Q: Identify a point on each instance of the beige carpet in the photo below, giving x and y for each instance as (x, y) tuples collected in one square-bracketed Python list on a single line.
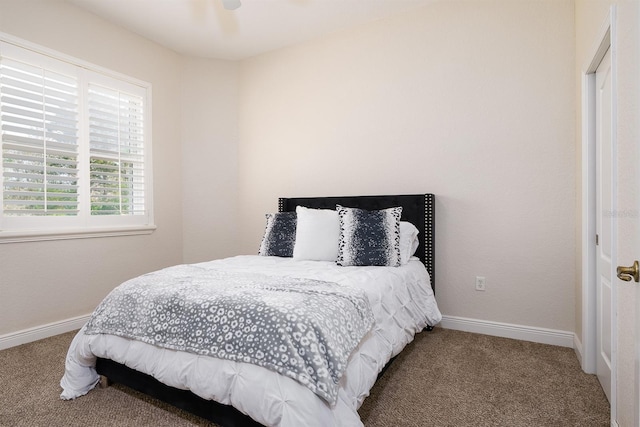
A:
[(444, 378)]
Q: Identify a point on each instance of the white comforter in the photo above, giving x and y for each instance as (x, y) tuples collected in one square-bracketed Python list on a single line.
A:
[(402, 303)]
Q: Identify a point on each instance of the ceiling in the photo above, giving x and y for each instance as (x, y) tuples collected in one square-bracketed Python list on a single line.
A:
[(204, 28)]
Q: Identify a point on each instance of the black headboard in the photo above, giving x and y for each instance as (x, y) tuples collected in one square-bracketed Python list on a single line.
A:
[(418, 209)]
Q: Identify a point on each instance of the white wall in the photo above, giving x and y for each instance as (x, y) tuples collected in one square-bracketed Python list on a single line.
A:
[(209, 158), (52, 281), (473, 101)]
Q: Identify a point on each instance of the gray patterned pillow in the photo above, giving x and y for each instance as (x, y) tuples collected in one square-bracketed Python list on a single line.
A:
[(279, 235), (369, 237)]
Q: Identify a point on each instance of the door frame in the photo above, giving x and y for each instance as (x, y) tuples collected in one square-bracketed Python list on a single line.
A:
[(637, 343), (606, 40)]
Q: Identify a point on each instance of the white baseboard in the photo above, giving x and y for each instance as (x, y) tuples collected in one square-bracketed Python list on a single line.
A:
[(43, 331), (507, 330)]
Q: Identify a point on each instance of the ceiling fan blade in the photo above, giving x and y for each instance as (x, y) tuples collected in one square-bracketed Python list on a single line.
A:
[(231, 4)]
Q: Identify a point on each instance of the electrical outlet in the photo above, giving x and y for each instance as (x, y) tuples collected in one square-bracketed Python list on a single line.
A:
[(480, 283)]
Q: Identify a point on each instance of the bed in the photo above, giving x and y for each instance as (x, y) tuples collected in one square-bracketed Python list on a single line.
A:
[(235, 393)]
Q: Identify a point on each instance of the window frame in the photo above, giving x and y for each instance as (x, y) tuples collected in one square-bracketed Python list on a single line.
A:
[(84, 225)]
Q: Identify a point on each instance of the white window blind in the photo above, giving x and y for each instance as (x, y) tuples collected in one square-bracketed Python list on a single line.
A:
[(39, 116), (75, 145), (116, 125)]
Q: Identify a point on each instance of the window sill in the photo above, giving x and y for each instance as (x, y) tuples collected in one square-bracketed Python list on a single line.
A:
[(73, 233)]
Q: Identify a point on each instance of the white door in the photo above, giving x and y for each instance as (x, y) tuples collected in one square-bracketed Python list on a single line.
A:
[(627, 340), (605, 216), (636, 392)]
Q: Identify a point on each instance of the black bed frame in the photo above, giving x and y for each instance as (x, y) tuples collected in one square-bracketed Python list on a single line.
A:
[(418, 209)]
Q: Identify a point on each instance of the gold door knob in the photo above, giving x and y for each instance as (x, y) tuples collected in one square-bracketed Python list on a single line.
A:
[(628, 273)]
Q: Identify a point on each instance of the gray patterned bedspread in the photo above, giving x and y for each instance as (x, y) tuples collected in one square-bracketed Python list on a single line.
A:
[(304, 329)]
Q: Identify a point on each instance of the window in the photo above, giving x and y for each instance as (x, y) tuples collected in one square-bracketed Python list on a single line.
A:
[(75, 148)]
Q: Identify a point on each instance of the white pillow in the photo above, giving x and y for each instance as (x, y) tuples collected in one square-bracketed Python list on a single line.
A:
[(408, 241), (317, 234)]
